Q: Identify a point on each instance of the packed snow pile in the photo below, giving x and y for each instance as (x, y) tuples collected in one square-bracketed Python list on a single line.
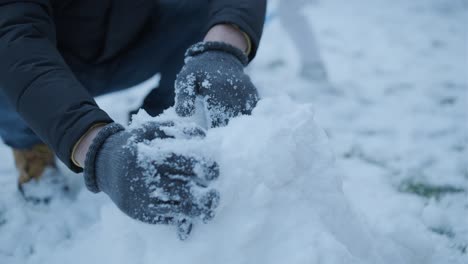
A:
[(372, 169), (281, 201)]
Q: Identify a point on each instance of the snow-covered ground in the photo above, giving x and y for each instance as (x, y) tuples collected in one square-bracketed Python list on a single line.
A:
[(374, 170)]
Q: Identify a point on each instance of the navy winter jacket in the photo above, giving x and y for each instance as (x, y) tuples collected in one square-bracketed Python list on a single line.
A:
[(40, 39)]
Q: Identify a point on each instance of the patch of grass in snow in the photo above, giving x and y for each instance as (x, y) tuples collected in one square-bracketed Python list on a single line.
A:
[(276, 64), (427, 190), (465, 173), (2, 219), (443, 231), (463, 248), (447, 232)]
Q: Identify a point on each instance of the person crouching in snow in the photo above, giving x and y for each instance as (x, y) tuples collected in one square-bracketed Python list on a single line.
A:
[(55, 56)]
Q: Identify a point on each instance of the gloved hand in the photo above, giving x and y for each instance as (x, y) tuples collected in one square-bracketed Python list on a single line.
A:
[(169, 188), (215, 71)]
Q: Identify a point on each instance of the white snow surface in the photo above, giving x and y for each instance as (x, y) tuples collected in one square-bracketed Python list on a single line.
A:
[(374, 170)]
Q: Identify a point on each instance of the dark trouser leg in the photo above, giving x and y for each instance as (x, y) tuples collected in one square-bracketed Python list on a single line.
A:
[(162, 97), (178, 25), (13, 130)]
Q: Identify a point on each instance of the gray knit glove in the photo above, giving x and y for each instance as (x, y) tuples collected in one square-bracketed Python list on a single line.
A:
[(215, 71), (167, 189)]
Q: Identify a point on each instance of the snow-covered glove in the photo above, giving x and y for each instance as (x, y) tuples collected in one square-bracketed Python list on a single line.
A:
[(168, 188), (215, 71)]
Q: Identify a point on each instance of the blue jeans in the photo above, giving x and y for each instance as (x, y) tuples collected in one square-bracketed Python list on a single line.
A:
[(178, 25)]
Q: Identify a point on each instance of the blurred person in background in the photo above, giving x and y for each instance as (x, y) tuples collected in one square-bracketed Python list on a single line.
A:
[(302, 34)]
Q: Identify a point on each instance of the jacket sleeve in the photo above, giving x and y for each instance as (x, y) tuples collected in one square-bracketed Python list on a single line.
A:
[(37, 81), (248, 15)]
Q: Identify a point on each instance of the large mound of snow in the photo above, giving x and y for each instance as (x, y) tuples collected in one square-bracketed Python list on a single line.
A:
[(282, 202), (279, 204)]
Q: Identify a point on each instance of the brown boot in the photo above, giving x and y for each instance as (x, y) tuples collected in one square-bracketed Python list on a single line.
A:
[(31, 163)]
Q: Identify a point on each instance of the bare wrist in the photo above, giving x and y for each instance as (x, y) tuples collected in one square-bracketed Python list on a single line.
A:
[(82, 146), (229, 34)]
